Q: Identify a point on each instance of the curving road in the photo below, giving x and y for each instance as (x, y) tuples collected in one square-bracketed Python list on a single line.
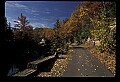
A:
[(83, 64)]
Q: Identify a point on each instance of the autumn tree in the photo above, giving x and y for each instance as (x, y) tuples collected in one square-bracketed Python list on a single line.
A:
[(60, 33), (80, 24), (65, 20), (102, 15), (57, 36), (108, 40), (22, 22), (24, 30), (25, 46), (37, 34), (96, 20), (58, 24)]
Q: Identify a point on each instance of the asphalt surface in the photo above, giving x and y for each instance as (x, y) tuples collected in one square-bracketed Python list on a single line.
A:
[(83, 64)]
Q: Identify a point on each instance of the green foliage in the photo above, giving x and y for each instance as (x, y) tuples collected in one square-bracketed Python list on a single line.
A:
[(91, 19), (62, 35), (102, 28), (58, 24), (50, 47), (94, 19), (110, 8), (37, 35)]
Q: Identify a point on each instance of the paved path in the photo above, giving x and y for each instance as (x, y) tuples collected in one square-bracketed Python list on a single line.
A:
[(83, 64)]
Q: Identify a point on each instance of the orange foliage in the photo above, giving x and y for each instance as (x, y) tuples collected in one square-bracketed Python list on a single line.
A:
[(46, 32)]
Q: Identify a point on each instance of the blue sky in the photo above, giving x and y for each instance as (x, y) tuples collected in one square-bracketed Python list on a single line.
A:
[(39, 13)]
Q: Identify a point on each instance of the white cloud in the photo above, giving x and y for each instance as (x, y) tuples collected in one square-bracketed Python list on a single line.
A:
[(14, 4), (53, 23), (7, 4), (20, 5), (17, 1), (11, 20), (48, 12), (42, 25), (17, 4), (37, 24), (28, 9), (36, 14), (34, 11), (44, 19)]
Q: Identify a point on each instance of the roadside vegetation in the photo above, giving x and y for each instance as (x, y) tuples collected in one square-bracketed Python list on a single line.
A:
[(92, 23)]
